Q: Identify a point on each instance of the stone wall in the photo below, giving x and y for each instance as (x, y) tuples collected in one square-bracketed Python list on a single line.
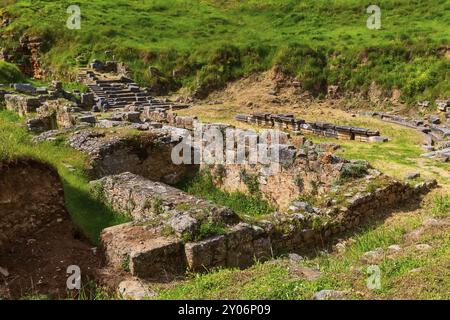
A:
[(147, 250), (22, 104), (302, 169), (31, 196), (147, 154), (307, 169), (163, 216)]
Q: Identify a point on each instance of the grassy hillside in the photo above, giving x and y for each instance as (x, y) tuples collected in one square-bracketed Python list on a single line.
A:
[(9, 73), (209, 42)]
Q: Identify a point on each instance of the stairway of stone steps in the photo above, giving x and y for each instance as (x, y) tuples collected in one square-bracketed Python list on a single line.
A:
[(119, 92)]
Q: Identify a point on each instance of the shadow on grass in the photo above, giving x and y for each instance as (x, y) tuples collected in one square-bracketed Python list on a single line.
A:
[(91, 215)]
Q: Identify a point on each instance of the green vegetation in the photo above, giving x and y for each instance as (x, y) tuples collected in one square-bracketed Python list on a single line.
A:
[(202, 186), (91, 215), (343, 271), (203, 44), (441, 205), (250, 181), (353, 171), (207, 229), (9, 73)]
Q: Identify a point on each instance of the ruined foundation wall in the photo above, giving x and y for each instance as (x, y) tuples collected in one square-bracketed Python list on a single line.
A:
[(304, 173), (147, 249), (148, 155), (31, 196)]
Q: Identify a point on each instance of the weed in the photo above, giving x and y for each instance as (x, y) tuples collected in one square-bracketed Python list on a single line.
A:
[(353, 171)]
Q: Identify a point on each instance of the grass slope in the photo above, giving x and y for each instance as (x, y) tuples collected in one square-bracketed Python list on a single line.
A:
[(9, 73), (210, 42)]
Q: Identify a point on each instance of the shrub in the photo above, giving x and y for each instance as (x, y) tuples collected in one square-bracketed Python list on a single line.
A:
[(353, 171)]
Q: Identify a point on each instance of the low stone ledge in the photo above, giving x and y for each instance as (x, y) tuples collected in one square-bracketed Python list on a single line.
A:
[(136, 249), (147, 254), (159, 258), (145, 200)]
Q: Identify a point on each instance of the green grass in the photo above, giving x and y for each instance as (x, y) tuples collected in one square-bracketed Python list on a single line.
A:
[(9, 73), (89, 214), (342, 271), (211, 42), (202, 186), (441, 205)]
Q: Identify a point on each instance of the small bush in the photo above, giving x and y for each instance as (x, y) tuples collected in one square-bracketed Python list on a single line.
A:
[(353, 171), (97, 190)]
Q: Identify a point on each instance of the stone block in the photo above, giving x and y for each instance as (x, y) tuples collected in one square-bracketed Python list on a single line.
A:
[(24, 88), (240, 249), (158, 258), (207, 254)]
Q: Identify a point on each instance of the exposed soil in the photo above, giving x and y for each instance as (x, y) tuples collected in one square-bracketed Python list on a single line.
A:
[(37, 264), (270, 91), (38, 239)]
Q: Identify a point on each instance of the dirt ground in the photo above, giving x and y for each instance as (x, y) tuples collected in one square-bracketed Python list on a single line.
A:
[(37, 265)]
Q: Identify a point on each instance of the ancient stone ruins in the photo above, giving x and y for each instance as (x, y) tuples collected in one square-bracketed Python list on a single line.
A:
[(129, 137), (436, 134), (289, 122)]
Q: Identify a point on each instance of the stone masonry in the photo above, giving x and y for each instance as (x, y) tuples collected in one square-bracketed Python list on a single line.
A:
[(164, 239), (147, 154), (289, 122)]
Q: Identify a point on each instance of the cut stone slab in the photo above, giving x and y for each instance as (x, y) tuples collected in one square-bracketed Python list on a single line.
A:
[(412, 175), (204, 254), (144, 199), (134, 248), (87, 119), (378, 139), (434, 119), (4, 272), (394, 248)]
